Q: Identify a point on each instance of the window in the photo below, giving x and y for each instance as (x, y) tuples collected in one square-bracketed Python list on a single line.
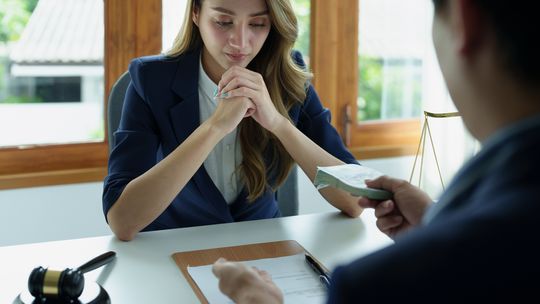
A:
[(52, 84), (328, 29), (68, 84), (57, 89), (375, 69), (349, 78), (173, 18), (302, 9), (393, 38)]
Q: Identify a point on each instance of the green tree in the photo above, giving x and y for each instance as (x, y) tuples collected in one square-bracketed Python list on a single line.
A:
[(402, 87), (302, 9), (369, 88), (14, 15)]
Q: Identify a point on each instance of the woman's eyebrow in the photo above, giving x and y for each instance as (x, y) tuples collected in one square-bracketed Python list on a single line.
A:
[(229, 12)]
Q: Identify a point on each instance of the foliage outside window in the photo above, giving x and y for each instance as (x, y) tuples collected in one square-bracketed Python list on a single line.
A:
[(14, 15), (302, 10), (392, 47), (382, 91)]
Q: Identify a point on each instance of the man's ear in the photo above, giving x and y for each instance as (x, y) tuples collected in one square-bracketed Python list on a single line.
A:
[(195, 15), (470, 24)]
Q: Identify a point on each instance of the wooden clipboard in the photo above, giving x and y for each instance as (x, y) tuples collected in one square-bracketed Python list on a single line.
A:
[(233, 253)]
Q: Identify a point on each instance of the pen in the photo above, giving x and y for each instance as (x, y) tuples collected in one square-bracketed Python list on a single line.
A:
[(323, 276)]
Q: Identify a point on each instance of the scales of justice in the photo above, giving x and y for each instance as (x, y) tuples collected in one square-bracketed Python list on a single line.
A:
[(426, 132)]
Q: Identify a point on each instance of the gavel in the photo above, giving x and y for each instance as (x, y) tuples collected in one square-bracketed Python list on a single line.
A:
[(66, 285)]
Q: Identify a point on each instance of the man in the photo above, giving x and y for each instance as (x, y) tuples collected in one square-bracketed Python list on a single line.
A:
[(479, 241)]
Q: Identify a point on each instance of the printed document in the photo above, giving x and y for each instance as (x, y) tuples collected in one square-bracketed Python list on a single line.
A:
[(292, 275)]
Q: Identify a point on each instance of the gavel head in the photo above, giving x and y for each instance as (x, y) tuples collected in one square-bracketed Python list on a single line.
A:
[(66, 285)]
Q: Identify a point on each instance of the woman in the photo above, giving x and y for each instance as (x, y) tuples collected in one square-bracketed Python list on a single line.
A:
[(210, 130)]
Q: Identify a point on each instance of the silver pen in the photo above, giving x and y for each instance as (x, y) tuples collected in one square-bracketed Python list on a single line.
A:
[(323, 276)]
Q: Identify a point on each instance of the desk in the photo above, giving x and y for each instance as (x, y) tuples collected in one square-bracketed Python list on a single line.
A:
[(144, 271)]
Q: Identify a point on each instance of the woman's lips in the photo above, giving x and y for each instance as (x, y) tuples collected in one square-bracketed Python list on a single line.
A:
[(236, 57)]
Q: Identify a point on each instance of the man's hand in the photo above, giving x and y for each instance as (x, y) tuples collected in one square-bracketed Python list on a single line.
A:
[(401, 213), (246, 284)]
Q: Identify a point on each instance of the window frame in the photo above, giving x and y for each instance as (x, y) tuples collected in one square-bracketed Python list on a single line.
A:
[(334, 62), (132, 29)]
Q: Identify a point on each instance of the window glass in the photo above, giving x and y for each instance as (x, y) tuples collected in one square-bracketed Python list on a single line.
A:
[(394, 38), (51, 72), (302, 9), (173, 17)]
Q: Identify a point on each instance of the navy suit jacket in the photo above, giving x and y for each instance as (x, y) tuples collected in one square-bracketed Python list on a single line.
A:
[(161, 110), (482, 246)]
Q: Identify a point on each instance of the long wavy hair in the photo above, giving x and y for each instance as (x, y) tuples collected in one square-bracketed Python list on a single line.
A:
[(286, 83)]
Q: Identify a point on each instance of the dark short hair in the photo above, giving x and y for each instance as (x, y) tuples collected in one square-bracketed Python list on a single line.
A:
[(516, 28)]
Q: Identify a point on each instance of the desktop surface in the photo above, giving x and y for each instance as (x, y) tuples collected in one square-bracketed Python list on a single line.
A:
[(145, 272)]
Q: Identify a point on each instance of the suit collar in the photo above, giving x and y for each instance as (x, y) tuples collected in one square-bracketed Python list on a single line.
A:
[(185, 82), (185, 114), (495, 153), (185, 118)]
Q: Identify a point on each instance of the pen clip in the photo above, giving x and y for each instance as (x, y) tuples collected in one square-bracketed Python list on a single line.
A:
[(324, 280)]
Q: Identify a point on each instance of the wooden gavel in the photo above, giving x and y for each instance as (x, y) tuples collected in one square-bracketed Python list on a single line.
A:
[(67, 284)]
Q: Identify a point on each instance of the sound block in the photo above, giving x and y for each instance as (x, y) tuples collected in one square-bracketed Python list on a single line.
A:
[(92, 293)]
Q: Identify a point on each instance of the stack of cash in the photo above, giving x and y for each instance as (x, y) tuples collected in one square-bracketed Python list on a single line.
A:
[(351, 179)]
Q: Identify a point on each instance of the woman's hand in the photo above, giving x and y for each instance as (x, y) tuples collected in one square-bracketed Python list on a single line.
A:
[(404, 211), (230, 112), (246, 284), (241, 82)]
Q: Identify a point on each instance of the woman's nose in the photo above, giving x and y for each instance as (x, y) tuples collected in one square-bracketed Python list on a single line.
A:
[(239, 37)]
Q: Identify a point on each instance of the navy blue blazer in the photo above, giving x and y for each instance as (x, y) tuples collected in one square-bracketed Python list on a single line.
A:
[(483, 246), (161, 110)]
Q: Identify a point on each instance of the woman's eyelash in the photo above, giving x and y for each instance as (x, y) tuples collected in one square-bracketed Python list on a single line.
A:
[(223, 23), (228, 23)]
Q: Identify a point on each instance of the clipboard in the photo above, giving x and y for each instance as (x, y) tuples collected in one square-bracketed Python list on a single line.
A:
[(234, 253)]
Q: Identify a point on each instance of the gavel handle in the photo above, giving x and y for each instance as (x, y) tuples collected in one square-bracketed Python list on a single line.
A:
[(97, 261)]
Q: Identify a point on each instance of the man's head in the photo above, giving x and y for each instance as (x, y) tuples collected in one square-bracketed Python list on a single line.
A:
[(516, 28), (489, 59)]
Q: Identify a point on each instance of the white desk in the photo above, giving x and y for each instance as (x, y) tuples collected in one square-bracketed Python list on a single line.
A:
[(144, 271)]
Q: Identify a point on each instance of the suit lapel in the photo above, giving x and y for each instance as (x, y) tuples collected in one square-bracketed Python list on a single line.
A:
[(185, 118), (185, 114)]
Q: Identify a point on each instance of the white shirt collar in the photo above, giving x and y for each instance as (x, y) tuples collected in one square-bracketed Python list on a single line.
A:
[(206, 84)]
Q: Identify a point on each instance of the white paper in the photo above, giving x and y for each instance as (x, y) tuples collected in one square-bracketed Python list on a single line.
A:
[(292, 275)]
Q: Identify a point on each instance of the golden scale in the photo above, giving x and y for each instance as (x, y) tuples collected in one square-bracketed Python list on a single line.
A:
[(426, 131)]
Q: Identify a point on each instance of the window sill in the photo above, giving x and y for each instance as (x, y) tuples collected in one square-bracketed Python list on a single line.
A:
[(48, 178), (384, 151)]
